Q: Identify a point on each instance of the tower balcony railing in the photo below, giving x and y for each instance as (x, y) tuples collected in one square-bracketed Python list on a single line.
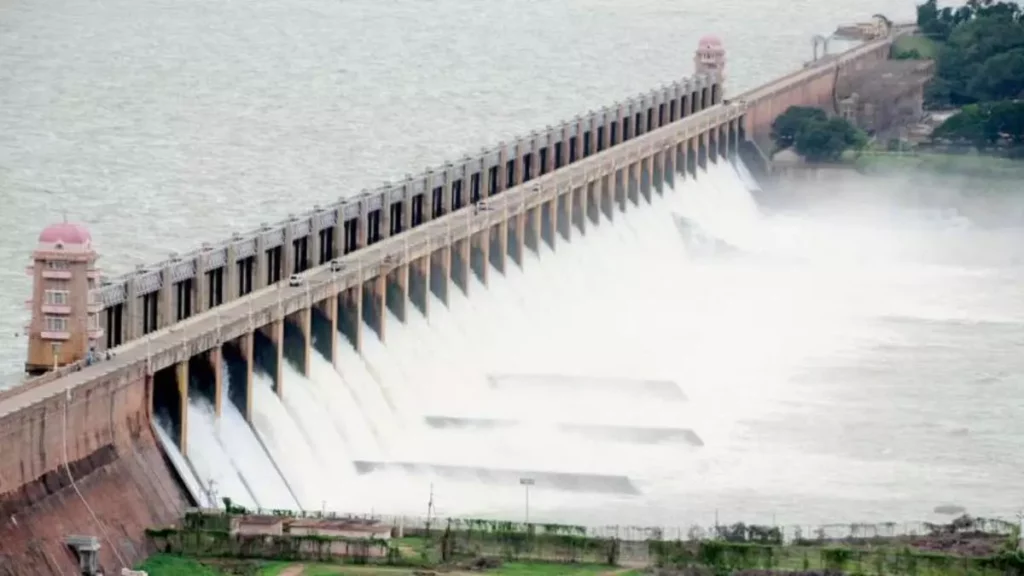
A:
[(57, 274)]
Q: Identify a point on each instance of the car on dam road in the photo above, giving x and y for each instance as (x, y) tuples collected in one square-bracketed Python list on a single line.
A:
[(295, 280)]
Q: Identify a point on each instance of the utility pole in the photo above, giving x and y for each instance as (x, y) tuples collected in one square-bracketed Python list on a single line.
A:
[(430, 508), (211, 493), (526, 483)]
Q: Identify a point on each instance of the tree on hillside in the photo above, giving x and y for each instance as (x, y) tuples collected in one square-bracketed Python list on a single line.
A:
[(938, 23), (978, 59), (1001, 76), (969, 125), (826, 140), (787, 125)]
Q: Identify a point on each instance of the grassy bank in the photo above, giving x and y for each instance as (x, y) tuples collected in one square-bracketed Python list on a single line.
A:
[(925, 47), (966, 546), (168, 565), (978, 165)]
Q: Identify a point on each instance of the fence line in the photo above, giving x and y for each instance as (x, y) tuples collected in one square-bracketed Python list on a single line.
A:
[(629, 533)]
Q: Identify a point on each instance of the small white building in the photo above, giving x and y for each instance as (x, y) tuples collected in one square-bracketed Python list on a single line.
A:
[(339, 529), (262, 525)]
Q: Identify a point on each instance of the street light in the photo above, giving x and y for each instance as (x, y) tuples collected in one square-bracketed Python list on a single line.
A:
[(526, 483)]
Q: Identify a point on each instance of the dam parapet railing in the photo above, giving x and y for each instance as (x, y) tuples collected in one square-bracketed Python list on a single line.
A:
[(446, 188), (822, 65)]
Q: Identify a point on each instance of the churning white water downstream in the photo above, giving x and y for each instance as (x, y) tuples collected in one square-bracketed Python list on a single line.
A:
[(664, 380)]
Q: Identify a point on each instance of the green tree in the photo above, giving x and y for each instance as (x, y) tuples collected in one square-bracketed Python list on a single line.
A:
[(1001, 76), (786, 127), (1008, 118), (968, 125), (985, 125), (981, 57), (826, 140)]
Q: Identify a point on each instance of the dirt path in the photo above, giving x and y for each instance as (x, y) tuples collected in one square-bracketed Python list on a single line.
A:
[(293, 571)]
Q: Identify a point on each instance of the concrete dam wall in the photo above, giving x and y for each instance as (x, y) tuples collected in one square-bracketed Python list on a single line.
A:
[(85, 462), (79, 454)]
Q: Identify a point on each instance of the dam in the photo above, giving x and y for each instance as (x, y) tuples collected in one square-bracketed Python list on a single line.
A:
[(344, 287)]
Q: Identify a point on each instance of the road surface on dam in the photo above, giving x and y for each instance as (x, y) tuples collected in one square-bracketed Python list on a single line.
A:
[(839, 363)]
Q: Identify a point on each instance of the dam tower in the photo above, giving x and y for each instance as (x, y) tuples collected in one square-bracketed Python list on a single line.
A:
[(709, 57), (64, 324)]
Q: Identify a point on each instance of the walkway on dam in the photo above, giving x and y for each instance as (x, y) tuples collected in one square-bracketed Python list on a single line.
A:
[(138, 351), (767, 90)]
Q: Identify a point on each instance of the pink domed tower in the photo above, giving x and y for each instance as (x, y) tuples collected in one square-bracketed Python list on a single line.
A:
[(65, 323), (710, 55)]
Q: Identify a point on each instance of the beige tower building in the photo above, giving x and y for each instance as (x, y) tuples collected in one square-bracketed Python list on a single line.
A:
[(710, 55), (65, 323)]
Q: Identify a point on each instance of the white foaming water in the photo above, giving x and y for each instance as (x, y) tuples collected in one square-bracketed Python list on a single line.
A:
[(185, 471), (583, 310), (625, 301), (285, 442), (349, 420), (325, 463), (214, 463), (227, 457)]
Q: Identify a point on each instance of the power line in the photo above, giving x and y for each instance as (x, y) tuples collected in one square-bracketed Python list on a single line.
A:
[(67, 468)]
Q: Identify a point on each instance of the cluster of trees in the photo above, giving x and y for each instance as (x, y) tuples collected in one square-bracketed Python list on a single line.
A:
[(986, 125), (981, 51), (980, 67), (814, 135)]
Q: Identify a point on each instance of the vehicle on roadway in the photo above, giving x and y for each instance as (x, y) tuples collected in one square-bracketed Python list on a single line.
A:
[(295, 280)]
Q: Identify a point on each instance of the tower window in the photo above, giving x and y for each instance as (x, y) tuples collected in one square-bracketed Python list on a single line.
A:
[(56, 324), (57, 297)]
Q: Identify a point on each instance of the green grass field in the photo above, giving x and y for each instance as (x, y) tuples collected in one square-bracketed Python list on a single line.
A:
[(957, 164), (167, 565), (505, 570), (925, 46), (965, 547)]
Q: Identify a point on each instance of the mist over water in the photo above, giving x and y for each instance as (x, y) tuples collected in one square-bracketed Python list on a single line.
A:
[(805, 363)]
